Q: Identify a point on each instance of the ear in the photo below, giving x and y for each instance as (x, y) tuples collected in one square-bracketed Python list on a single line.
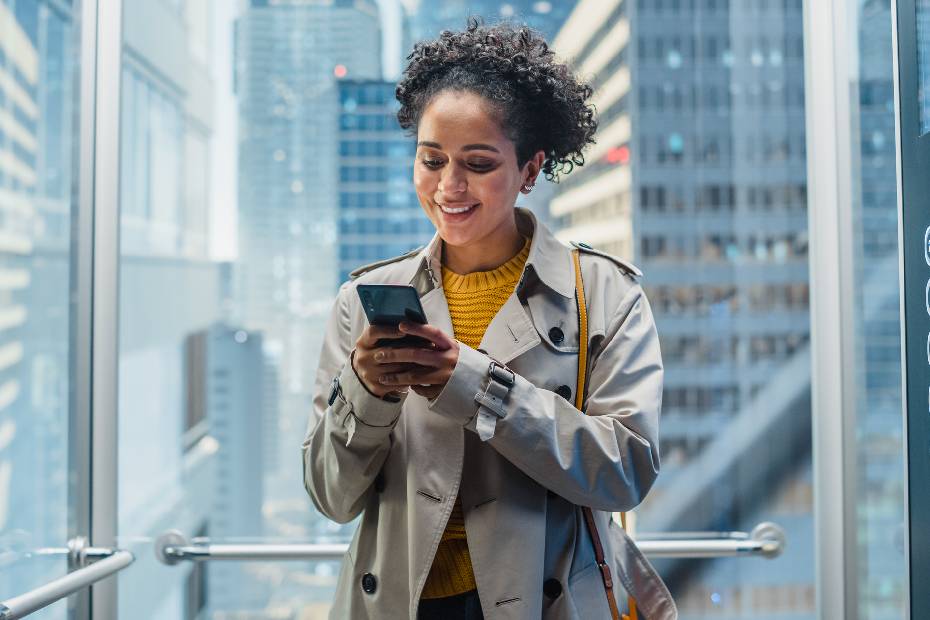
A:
[(532, 167)]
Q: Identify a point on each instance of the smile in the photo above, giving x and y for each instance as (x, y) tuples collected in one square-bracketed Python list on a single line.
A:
[(453, 210)]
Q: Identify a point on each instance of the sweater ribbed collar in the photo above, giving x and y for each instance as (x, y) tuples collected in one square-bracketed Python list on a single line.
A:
[(478, 281), (550, 259)]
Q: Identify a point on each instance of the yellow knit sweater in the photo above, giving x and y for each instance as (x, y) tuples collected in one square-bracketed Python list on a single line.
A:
[(474, 299)]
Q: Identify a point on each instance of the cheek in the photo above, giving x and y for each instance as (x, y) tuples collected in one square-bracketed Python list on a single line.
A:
[(425, 187), (424, 182), (494, 188)]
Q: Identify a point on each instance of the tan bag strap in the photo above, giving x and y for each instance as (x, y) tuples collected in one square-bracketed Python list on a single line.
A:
[(579, 401)]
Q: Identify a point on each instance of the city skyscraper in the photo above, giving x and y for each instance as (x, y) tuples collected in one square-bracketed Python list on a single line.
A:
[(699, 176), (429, 18), (379, 215), (289, 56), (235, 412)]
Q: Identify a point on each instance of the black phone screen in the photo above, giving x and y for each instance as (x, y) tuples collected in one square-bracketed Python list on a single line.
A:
[(389, 304)]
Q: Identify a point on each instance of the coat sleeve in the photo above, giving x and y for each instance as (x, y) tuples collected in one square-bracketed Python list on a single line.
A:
[(607, 459), (349, 438)]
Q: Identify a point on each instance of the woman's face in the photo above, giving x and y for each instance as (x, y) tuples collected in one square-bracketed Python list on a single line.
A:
[(464, 160)]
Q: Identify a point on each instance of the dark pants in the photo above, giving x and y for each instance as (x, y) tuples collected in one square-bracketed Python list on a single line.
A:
[(465, 606)]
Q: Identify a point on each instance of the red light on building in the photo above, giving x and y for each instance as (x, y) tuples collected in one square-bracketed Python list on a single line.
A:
[(340, 71), (618, 155)]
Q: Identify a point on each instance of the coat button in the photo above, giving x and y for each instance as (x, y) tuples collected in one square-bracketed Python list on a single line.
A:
[(556, 335), (379, 482), (552, 588), (565, 392), (369, 583)]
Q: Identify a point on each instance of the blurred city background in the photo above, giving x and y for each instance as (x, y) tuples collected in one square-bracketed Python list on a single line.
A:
[(261, 161)]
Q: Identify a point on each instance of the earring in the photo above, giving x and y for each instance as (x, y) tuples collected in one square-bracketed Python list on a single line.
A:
[(527, 187)]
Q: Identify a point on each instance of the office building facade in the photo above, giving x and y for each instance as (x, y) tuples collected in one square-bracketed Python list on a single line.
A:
[(379, 215), (699, 176), (289, 58)]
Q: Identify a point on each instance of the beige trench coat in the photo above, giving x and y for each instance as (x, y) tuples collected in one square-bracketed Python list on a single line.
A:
[(401, 465)]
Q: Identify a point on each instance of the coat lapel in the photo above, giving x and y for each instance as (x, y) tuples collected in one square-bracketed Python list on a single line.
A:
[(510, 333), (437, 310)]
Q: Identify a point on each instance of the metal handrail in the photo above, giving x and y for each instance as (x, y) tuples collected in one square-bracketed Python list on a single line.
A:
[(766, 540), (113, 561)]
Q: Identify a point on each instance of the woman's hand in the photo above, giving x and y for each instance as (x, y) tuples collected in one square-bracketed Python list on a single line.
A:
[(428, 368), (367, 368)]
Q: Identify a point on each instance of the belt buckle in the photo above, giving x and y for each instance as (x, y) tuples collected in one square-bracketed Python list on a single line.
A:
[(502, 374)]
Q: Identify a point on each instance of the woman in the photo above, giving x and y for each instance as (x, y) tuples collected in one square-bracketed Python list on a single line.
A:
[(470, 503)]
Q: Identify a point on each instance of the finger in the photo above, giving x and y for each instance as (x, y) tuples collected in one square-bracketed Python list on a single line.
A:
[(413, 378), (430, 332), (374, 333), (395, 367), (413, 355)]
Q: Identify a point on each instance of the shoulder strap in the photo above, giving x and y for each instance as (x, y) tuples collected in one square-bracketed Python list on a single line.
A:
[(579, 401), (626, 266), (365, 268), (582, 332)]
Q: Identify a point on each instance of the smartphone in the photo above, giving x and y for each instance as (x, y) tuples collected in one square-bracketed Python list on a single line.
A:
[(389, 304)]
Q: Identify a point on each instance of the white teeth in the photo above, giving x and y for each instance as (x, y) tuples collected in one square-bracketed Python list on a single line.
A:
[(462, 210)]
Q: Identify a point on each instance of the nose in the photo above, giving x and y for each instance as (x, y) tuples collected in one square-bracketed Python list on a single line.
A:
[(452, 180)]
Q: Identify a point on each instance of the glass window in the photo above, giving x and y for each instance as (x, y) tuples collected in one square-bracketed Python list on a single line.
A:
[(726, 273), (879, 475), (39, 46), (237, 227)]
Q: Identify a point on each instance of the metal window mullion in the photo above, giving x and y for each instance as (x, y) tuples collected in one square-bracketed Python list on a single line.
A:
[(105, 314), (829, 27), (81, 328)]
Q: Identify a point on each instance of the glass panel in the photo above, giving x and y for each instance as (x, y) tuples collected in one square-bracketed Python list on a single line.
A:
[(261, 162), (882, 586), (38, 78), (182, 372), (246, 201), (230, 207), (923, 62), (712, 135)]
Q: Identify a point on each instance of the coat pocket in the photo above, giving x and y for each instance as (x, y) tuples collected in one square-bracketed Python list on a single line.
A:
[(588, 595)]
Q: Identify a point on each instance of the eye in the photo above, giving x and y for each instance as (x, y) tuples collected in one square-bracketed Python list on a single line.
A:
[(432, 164)]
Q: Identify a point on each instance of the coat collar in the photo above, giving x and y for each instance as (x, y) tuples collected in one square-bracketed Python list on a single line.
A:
[(549, 259)]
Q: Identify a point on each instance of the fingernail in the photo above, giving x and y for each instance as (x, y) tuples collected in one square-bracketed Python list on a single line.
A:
[(402, 327)]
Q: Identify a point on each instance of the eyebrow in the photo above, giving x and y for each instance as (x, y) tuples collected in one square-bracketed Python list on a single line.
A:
[(467, 147)]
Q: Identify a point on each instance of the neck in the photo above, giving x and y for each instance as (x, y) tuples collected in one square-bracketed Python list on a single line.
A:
[(484, 255)]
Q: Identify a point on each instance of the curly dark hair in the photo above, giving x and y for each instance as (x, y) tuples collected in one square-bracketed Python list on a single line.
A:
[(540, 104)]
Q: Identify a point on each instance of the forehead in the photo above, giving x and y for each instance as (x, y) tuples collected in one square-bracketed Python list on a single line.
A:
[(455, 118)]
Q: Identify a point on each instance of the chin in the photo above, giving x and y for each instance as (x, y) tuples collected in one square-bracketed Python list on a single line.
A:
[(458, 237)]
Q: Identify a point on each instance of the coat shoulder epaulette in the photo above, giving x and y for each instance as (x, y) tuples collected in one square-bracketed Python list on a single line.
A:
[(627, 267), (387, 261)]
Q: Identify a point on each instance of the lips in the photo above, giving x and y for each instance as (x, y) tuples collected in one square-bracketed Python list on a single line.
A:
[(456, 208)]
